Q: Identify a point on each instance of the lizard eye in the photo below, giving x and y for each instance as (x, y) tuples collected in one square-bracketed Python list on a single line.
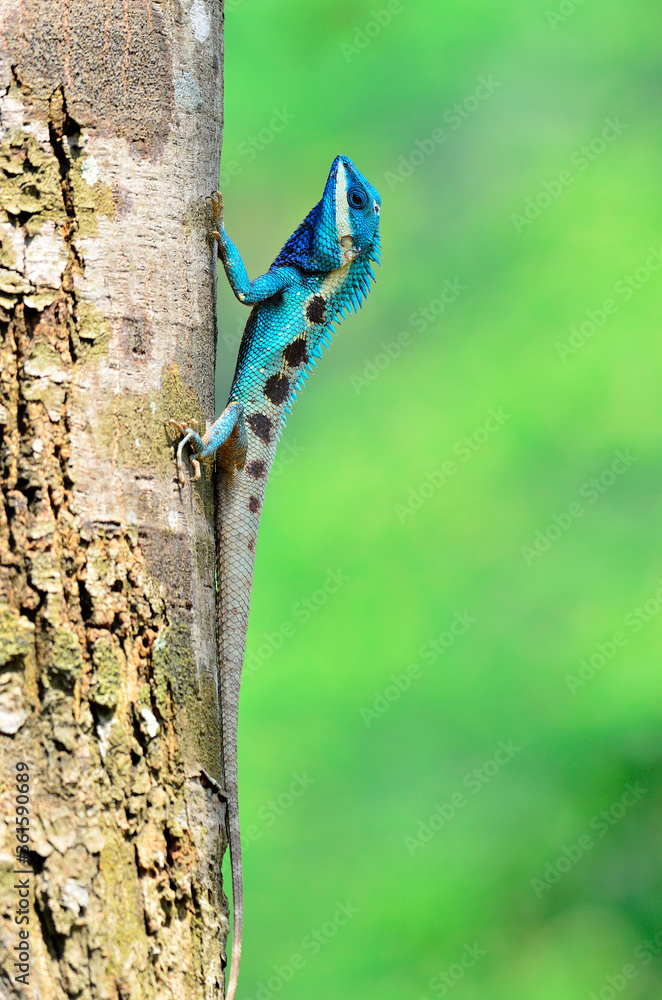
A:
[(356, 198)]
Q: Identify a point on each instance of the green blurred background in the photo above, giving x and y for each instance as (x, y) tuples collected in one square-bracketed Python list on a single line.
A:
[(436, 489)]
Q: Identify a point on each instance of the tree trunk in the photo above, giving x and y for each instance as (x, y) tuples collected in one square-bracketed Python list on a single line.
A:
[(109, 143)]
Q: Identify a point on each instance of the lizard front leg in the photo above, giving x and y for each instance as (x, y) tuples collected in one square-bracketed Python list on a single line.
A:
[(248, 292)]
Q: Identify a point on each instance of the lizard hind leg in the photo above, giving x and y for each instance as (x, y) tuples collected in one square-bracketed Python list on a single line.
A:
[(229, 434)]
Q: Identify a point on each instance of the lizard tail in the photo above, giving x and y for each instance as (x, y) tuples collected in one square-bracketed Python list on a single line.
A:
[(237, 900)]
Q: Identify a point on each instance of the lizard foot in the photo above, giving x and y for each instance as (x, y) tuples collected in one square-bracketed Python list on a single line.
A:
[(190, 433), (216, 200)]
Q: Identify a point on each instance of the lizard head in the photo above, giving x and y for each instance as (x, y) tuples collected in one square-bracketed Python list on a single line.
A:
[(356, 205), (343, 226)]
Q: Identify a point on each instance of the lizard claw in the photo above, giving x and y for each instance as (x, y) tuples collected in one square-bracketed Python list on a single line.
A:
[(188, 430), (216, 200), (191, 425)]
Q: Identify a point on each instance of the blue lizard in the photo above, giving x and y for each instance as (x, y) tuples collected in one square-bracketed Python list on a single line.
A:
[(322, 271)]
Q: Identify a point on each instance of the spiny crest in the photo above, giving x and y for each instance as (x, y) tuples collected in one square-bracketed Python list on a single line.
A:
[(349, 295), (343, 226)]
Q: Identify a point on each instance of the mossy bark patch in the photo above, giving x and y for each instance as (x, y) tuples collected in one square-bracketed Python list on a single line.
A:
[(64, 659), (16, 640), (106, 677)]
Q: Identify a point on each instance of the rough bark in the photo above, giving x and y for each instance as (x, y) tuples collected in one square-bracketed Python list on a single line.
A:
[(110, 115)]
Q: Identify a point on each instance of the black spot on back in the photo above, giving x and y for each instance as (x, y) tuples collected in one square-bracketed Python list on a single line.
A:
[(256, 469), (253, 504), (296, 353), (315, 309), (260, 424), (277, 389)]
